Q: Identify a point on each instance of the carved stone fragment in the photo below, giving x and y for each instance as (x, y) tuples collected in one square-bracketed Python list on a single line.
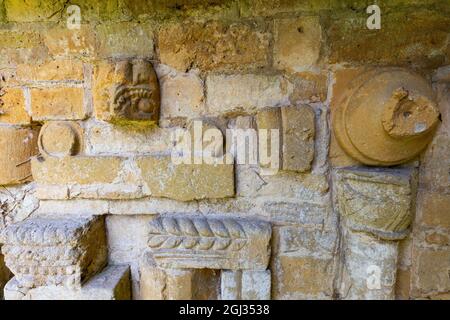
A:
[(215, 243), (387, 117), (17, 145), (137, 97), (113, 283), (49, 251), (60, 138), (375, 201)]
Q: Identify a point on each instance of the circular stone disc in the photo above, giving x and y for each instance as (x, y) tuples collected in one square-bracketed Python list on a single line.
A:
[(358, 121)]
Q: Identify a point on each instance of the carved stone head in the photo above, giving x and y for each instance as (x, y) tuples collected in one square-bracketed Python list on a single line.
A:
[(137, 96)]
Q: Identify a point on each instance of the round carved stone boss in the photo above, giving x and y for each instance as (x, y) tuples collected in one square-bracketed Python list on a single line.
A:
[(386, 117), (60, 138)]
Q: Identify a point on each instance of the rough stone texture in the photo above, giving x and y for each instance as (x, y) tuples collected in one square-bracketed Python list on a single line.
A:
[(5, 275), (245, 285), (49, 251), (113, 283), (177, 284), (210, 243), (214, 46), (78, 169), (377, 202), (61, 69), (57, 104), (12, 107), (17, 145), (186, 181), (61, 138), (65, 42), (246, 93), (297, 43), (298, 137)]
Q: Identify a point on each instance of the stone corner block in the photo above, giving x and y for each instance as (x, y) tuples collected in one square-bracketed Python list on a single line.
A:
[(51, 251)]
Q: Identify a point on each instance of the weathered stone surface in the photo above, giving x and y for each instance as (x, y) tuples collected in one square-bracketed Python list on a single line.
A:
[(269, 120), (34, 10), (182, 95), (214, 45), (432, 209), (219, 243), (124, 39), (17, 145), (55, 70), (370, 268), (309, 87), (186, 181), (126, 92), (375, 201), (430, 272), (60, 138), (392, 44), (57, 104), (297, 43), (5, 275), (245, 285), (12, 107), (113, 283), (78, 169), (177, 284), (50, 251), (298, 137), (387, 117), (246, 93), (62, 41), (301, 278)]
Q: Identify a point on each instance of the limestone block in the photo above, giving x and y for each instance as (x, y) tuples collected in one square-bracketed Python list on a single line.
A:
[(62, 41), (219, 243), (298, 137), (126, 91), (246, 93), (370, 268), (245, 285), (182, 95), (17, 145), (12, 107), (55, 70), (375, 201), (60, 138), (50, 251), (186, 181), (309, 87), (297, 43), (177, 284), (432, 209), (57, 104), (75, 170), (430, 273), (113, 283), (214, 45), (118, 39), (269, 119), (297, 277), (386, 117)]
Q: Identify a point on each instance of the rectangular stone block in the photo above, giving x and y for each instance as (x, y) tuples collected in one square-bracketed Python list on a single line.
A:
[(432, 209), (51, 251), (297, 43), (298, 137), (245, 285), (246, 93), (57, 104), (113, 283), (12, 109), (430, 273), (75, 170), (32, 10), (186, 182), (214, 45), (64, 42), (177, 284), (17, 146), (269, 119), (56, 70), (219, 243)]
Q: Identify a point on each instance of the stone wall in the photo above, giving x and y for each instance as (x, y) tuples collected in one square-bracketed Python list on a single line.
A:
[(87, 119)]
